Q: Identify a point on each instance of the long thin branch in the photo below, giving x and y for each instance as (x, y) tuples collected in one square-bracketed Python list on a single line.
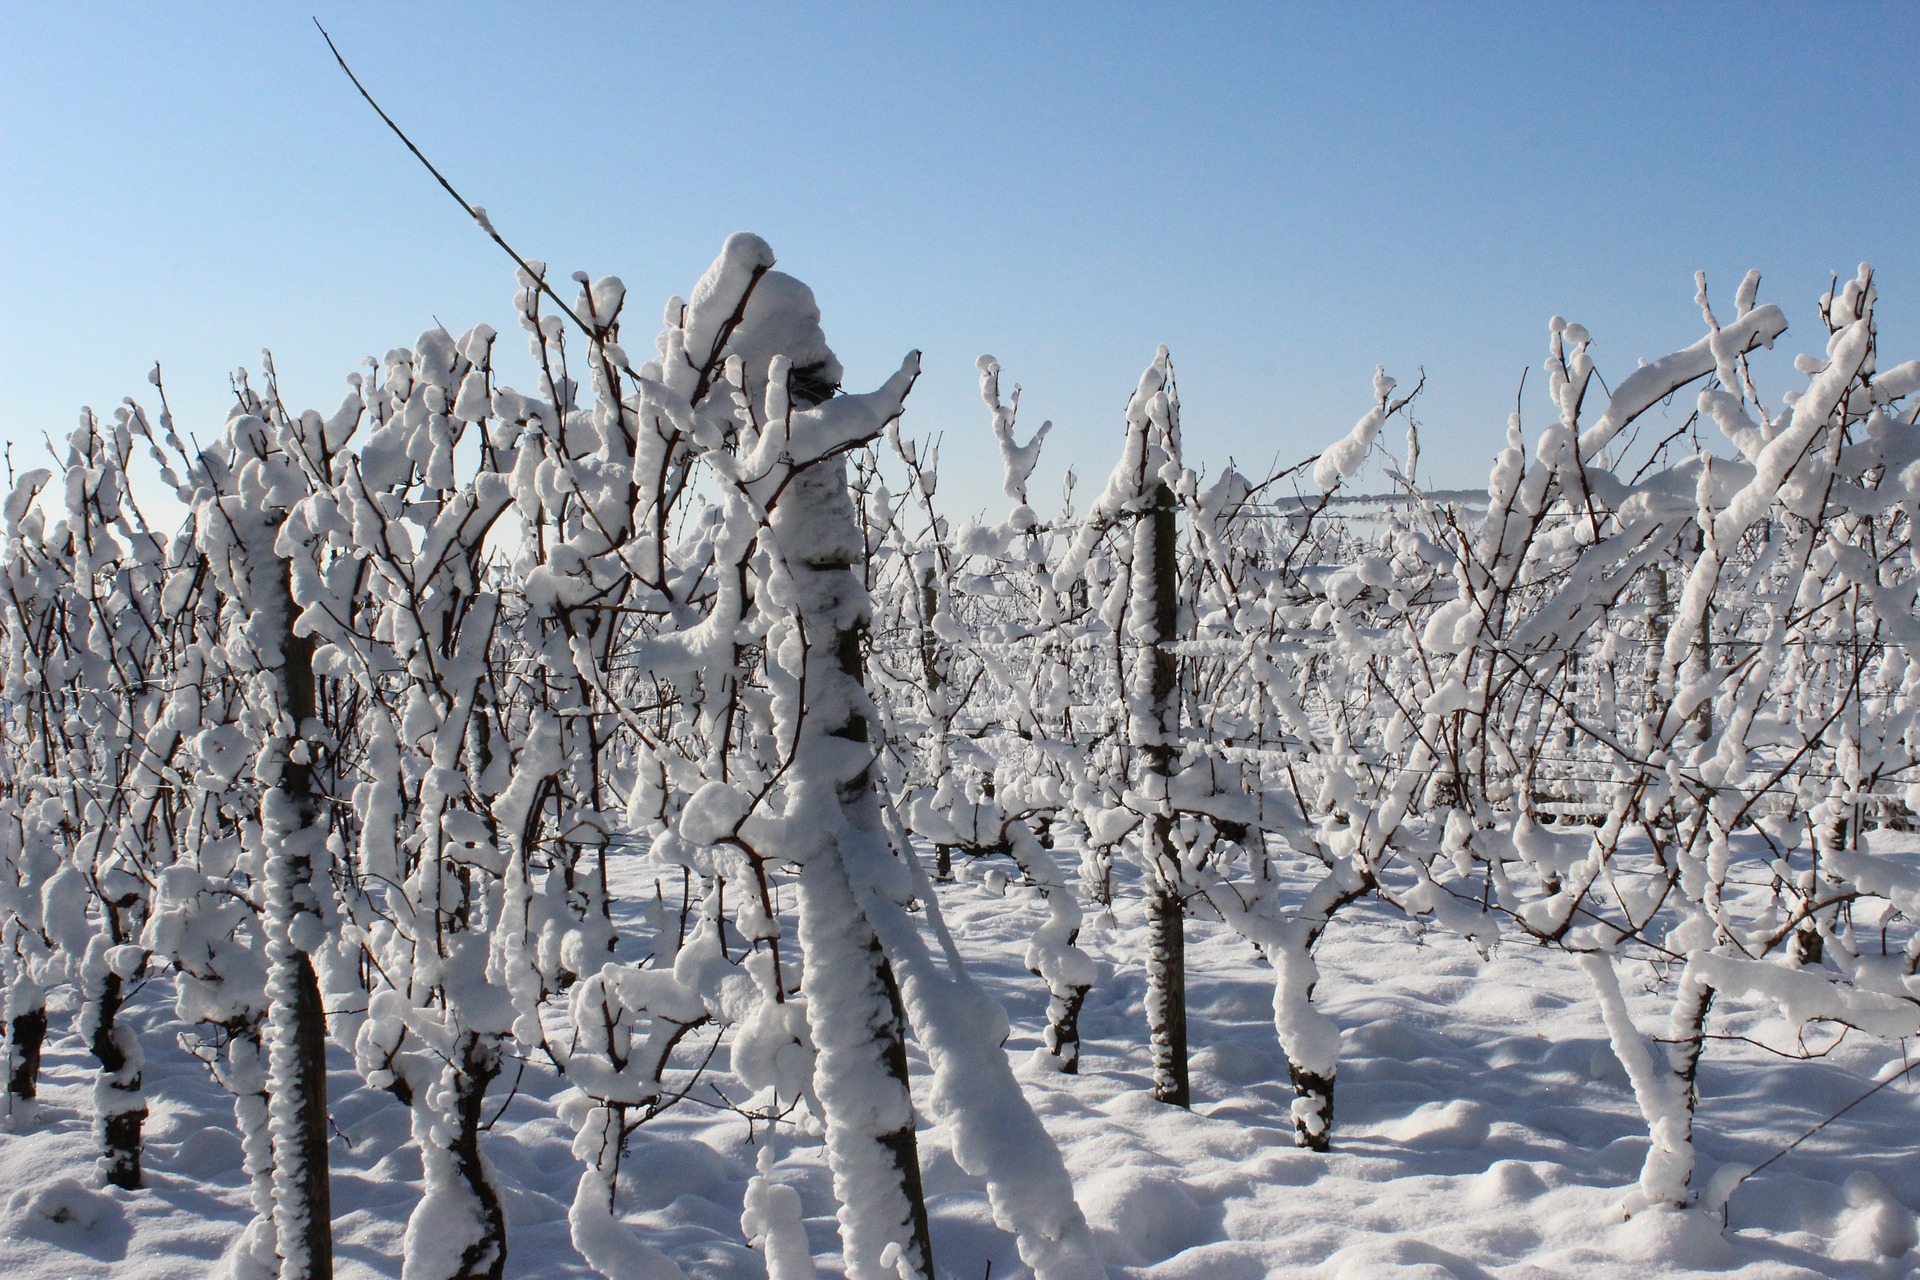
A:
[(478, 214)]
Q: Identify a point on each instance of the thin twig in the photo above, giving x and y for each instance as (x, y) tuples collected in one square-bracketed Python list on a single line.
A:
[(475, 212)]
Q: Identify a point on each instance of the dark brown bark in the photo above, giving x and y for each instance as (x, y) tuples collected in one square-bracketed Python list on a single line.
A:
[(1167, 958), (902, 1142), (26, 1036), (312, 1089), (119, 1130), (298, 691), (1063, 1025), (1167, 997), (1317, 1089), (486, 1258)]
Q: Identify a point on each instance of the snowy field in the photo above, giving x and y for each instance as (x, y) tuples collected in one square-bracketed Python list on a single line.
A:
[(1483, 1128), (1397, 754)]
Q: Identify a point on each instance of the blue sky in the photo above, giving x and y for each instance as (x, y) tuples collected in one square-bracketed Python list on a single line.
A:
[(1285, 195)]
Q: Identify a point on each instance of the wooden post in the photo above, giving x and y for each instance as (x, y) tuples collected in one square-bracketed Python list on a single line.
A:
[(1167, 945), (296, 1018)]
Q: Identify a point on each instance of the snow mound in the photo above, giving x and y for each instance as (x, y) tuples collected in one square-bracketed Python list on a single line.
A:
[(1400, 1258), (1874, 1224), (66, 1202), (1143, 1216), (1672, 1238), (1506, 1183), (1239, 1062), (1460, 1123), (670, 1170)]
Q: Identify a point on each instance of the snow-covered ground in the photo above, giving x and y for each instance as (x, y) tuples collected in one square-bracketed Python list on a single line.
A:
[(1483, 1128)]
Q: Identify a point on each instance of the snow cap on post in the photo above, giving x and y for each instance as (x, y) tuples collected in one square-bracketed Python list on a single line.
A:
[(719, 299), (782, 318)]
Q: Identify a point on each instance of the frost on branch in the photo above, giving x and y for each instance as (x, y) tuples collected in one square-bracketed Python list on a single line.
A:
[(368, 753)]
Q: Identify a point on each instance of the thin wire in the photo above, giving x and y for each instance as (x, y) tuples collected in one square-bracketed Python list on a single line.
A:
[(1901, 1074)]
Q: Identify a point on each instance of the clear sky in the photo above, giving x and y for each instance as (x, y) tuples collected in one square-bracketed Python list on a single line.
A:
[(1285, 195)]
